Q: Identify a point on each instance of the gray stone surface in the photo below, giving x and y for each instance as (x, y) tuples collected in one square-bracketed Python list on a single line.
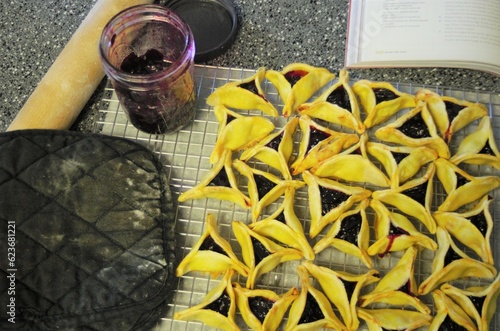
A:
[(271, 34)]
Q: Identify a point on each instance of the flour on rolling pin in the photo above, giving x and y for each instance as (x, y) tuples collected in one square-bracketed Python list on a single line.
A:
[(73, 77)]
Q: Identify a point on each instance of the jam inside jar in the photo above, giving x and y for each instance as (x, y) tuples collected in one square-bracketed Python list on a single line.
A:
[(147, 52)]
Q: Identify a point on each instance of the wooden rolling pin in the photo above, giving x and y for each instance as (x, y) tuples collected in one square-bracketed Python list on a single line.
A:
[(64, 90)]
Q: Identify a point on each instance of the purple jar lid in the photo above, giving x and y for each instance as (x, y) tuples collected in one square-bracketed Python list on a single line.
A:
[(214, 24)]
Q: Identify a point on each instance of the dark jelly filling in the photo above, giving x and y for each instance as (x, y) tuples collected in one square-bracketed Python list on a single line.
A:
[(221, 304), (294, 76), (478, 303), (150, 62), (452, 109), (349, 287), (449, 325), (349, 229), (461, 180), (275, 143), (259, 251), (417, 193), (221, 179), (264, 185), (487, 149), (331, 199), (415, 127), (340, 97), (315, 137), (451, 256), (399, 156), (312, 312), (281, 218), (406, 288), (250, 86), (260, 306), (210, 245), (480, 223), (383, 94)]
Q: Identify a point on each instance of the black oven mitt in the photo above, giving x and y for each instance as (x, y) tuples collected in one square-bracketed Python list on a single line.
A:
[(87, 233)]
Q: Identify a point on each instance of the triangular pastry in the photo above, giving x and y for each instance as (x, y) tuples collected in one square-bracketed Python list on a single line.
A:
[(479, 302), (297, 83), (449, 315), (395, 232), (241, 133), (276, 149), (219, 183), (450, 114), (380, 100), (318, 143), (342, 289), (337, 104), (462, 188), (261, 255), (264, 188), (473, 228), (413, 198), (401, 163), (217, 309), (261, 309), (211, 253), (246, 94), (398, 288), (328, 199), (311, 310), (479, 147), (349, 234), (451, 263), (285, 227), (415, 128), (393, 319)]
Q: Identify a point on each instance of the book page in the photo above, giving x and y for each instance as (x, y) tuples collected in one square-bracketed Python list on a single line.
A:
[(414, 30)]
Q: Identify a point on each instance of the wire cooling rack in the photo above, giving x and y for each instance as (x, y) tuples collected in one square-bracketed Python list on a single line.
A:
[(185, 155)]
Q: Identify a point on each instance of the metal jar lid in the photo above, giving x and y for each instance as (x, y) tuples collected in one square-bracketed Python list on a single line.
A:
[(214, 24)]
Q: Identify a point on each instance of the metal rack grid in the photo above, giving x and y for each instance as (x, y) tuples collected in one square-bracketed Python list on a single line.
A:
[(185, 155)]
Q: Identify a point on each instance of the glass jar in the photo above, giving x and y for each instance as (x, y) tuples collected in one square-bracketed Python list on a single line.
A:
[(147, 52)]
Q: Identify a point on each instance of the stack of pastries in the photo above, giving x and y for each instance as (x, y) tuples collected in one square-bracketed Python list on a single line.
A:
[(385, 172)]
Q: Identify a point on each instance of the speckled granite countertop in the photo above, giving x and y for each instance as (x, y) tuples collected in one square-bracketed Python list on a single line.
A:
[(272, 34)]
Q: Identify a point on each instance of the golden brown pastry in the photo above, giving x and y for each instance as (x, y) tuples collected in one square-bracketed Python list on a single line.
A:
[(479, 147), (479, 302), (462, 188), (337, 104), (241, 133), (449, 315), (414, 128), (401, 163), (261, 254), (413, 198), (263, 310), (211, 253), (217, 309), (473, 228), (398, 288), (395, 232), (393, 319), (318, 143), (297, 83), (285, 227), (380, 100), (352, 165), (219, 183), (246, 94), (342, 289), (451, 263), (311, 310), (328, 199), (350, 234), (450, 114), (264, 188), (276, 149)]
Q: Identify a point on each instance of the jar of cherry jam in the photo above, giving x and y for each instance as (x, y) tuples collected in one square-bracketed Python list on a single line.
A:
[(147, 52)]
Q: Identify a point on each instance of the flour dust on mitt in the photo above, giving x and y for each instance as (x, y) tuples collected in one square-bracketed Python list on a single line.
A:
[(93, 220)]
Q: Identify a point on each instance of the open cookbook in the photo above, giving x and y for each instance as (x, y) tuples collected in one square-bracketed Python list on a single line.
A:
[(427, 33)]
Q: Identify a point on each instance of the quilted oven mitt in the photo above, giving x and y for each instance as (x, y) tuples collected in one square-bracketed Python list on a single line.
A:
[(94, 233)]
